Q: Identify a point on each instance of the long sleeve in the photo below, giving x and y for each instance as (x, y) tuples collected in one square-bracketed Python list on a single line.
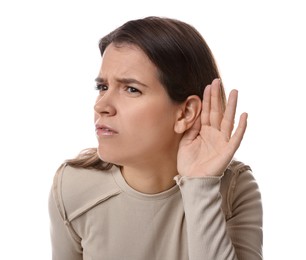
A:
[(64, 247), (66, 244), (211, 234)]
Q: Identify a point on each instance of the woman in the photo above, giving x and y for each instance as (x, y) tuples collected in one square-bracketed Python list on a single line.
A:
[(162, 182)]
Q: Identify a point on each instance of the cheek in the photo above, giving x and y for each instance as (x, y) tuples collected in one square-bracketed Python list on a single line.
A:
[(152, 123), (153, 115)]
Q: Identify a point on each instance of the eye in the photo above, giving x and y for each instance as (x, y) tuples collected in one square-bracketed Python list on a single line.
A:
[(101, 87), (132, 90)]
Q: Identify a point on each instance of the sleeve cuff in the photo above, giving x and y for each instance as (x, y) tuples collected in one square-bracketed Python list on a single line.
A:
[(180, 180)]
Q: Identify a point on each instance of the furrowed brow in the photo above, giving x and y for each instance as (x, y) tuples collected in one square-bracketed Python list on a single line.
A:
[(100, 80), (131, 81), (122, 81)]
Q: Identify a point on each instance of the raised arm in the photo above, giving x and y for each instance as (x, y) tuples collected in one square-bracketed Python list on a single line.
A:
[(208, 147), (205, 152)]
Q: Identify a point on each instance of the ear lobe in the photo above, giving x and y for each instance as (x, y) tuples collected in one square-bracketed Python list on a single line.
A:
[(180, 126), (188, 114)]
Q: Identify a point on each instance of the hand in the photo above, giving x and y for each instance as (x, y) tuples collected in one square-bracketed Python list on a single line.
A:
[(208, 146)]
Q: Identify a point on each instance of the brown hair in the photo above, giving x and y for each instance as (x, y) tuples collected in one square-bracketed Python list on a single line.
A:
[(184, 61)]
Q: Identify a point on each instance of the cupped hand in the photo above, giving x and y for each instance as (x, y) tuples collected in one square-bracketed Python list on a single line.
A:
[(209, 145)]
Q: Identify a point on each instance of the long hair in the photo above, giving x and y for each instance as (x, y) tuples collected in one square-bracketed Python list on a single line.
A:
[(183, 59)]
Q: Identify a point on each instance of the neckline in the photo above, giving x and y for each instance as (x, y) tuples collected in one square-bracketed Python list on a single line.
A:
[(124, 186)]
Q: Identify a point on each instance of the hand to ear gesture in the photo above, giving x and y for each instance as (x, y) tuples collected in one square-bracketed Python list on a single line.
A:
[(209, 145)]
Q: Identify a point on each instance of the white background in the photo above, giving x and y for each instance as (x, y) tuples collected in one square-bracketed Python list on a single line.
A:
[(48, 62)]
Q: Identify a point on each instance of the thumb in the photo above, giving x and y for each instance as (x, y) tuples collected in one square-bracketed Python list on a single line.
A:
[(192, 132)]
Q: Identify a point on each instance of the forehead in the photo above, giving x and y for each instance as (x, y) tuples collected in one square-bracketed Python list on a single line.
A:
[(127, 55), (128, 61)]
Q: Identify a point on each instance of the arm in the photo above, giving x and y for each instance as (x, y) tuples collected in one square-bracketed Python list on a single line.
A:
[(64, 246), (206, 226), (244, 218), (205, 151), (210, 234)]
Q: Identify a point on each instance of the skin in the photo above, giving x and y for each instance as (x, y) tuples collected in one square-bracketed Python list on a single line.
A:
[(153, 138), (209, 145)]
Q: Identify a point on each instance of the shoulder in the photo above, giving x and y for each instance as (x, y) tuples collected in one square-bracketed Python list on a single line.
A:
[(238, 185), (233, 172), (76, 190)]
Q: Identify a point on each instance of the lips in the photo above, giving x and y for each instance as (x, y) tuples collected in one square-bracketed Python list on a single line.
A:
[(104, 130)]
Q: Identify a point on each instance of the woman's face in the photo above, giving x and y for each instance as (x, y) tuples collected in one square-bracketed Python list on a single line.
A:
[(134, 115)]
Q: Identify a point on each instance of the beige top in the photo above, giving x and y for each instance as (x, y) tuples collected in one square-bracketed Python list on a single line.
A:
[(96, 215)]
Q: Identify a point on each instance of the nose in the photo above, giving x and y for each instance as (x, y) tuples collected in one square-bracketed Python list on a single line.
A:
[(104, 105)]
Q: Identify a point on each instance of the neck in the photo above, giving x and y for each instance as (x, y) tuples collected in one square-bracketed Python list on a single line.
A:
[(150, 181)]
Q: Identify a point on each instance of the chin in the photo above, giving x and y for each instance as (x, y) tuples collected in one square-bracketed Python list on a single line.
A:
[(106, 157)]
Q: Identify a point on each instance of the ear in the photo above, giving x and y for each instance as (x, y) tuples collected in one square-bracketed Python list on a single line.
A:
[(187, 114)]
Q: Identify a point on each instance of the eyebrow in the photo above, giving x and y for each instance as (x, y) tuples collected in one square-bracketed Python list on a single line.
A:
[(122, 80)]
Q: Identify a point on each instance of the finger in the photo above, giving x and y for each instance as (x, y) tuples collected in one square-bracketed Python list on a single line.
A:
[(239, 132), (205, 115), (193, 132), (228, 120), (216, 112)]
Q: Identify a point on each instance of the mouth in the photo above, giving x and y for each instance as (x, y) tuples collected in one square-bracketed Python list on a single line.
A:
[(102, 130)]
